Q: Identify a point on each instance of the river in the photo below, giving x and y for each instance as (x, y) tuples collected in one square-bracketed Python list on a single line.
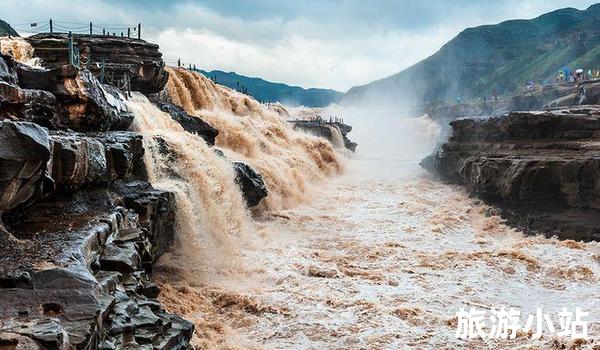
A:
[(379, 257)]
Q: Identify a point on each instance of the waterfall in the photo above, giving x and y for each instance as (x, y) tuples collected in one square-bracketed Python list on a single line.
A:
[(336, 136), (211, 211), (212, 215), (288, 160), (20, 50)]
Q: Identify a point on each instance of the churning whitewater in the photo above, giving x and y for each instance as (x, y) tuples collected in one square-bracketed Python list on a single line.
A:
[(361, 251)]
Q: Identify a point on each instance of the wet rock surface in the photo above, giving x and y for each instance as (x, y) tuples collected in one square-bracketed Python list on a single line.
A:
[(24, 152), (251, 183), (80, 226), (83, 103), (323, 129), (540, 167), (140, 60), (76, 272), (191, 124), (64, 97), (82, 282)]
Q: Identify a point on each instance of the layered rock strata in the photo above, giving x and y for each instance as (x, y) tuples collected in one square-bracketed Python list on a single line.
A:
[(141, 61), (540, 167), (80, 225)]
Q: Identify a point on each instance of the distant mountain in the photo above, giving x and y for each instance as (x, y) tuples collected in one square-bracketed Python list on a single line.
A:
[(501, 57), (6, 29), (267, 91)]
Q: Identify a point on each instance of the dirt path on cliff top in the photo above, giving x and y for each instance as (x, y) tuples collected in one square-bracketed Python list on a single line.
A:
[(378, 261)]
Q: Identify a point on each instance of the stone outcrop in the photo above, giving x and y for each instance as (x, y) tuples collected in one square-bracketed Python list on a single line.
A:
[(191, 124), (36, 163), (61, 98), (83, 103), (95, 159), (85, 230), (251, 183), (79, 278), (80, 225), (138, 59), (540, 167), (323, 129), (24, 152)]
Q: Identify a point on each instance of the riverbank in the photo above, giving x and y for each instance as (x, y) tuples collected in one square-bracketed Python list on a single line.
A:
[(538, 167)]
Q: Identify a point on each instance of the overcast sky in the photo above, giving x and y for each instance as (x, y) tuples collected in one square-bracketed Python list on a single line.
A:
[(312, 43)]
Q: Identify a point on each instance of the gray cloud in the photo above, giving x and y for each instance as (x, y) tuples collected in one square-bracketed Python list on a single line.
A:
[(312, 43)]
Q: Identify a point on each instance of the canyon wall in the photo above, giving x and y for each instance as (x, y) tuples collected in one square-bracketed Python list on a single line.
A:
[(540, 167), (80, 225)]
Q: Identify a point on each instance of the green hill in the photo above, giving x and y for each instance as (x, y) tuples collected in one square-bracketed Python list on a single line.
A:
[(267, 91), (6, 29), (499, 57)]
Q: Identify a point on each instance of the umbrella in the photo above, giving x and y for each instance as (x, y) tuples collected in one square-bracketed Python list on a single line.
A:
[(579, 71)]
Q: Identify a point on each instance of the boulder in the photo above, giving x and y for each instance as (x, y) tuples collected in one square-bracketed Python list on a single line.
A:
[(191, 124), (7, 72), (96, 158), (156, 210), (33, 105), (251, 183)]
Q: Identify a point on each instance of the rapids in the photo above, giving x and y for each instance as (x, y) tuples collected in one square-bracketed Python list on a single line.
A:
[(288, 160), (380, 256)]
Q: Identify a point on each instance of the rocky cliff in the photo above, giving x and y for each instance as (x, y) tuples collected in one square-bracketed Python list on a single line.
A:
[(539, 167), (140, 60), (80, 224)]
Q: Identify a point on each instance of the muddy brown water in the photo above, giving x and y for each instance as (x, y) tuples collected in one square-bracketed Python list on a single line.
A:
[(382, 262)]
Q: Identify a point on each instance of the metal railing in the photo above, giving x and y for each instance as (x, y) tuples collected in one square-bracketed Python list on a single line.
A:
[(55, 27), (122, 83)]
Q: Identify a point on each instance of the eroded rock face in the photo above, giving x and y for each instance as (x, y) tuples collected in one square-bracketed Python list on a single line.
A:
[(61, 98), (93, 159), (191, 124), (80, 226), (81, 280), (23, 104), (24, 153), (139, 59), (251, 183), (77, 274), (83, 104), (323, 129), (543, 166)]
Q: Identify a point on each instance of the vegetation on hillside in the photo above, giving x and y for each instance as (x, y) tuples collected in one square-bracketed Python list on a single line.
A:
[(266, 91), (501, 58)]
